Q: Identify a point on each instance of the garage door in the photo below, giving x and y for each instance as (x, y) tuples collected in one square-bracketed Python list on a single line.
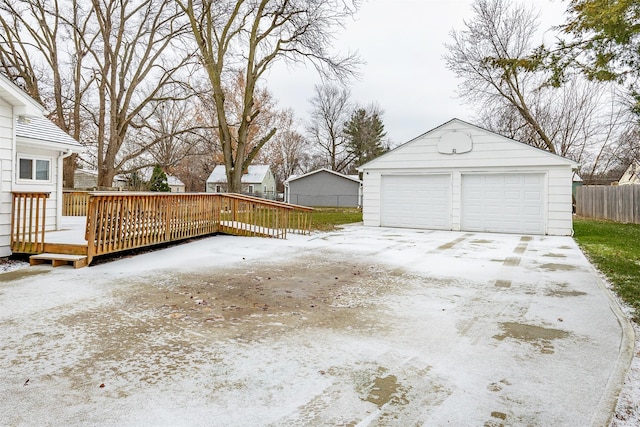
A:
[(416, 201), (504, 203)]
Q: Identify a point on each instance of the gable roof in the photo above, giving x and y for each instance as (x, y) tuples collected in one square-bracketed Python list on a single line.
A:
[(175, 181), (456, 123), (631, 174), (44, 131), (255, 174), (22, 103), (354, 178)]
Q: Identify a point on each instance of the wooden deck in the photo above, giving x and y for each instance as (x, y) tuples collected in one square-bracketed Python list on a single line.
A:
[(105, 223)]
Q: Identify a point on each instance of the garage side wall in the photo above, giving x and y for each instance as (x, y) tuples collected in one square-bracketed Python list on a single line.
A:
[(560, 203)]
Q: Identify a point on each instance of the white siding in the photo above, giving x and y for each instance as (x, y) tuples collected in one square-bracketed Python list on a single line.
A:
[(48, 187), (6, 162), (491, 153)]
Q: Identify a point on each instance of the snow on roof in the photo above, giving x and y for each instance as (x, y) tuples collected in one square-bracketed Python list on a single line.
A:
[(351, 177), (43, 129), (146, 173), (173, 180), (255, 174)]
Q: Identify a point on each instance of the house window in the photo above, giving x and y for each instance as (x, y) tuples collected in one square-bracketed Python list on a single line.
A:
[(250, 188), (30, 169), (218, 189)]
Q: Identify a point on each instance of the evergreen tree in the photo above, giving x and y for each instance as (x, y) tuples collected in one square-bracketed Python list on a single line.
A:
[(364, 133), (158, 181)]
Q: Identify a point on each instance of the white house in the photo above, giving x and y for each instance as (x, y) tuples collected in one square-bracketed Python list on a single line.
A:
[(31, 152), (175, 185), (631, 176), (461, 177), (257, 181)]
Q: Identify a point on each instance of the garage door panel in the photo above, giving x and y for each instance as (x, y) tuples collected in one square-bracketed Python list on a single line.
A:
[(416, 201), (510, 203)]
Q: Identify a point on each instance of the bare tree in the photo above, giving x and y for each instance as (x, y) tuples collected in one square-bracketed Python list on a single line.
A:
[(250, 35), (100, 67), (137, 61), (43, 48), (330, 110), (490, 56), (286, 152), (494, 57)]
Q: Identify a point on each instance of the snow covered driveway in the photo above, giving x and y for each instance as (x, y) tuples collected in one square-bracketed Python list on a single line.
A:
[(364, 326)]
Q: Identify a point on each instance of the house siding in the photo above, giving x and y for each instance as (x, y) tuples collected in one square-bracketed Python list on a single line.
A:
[(6, 168), (491, 153), (50, 187)]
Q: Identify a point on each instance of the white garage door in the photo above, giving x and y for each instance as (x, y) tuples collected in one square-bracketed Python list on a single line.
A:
[(504, 203), (416, 201)]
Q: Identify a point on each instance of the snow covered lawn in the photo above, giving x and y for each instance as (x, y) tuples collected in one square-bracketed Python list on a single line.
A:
[(364, 326)]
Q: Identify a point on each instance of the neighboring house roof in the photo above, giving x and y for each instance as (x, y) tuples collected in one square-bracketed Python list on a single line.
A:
[(631, 175), (350, 177), (553, 158), (23, 104), (576, 177), (45, 131), (255, 174), (172, 180)]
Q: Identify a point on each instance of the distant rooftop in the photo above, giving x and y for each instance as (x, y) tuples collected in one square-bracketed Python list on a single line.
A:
[(255, 174)]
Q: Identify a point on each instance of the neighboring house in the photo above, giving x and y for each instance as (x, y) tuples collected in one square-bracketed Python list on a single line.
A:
[(461, 177), (257, 181), (84, 179), (32, 150), (175, 184), (323, 187), (631, 176)]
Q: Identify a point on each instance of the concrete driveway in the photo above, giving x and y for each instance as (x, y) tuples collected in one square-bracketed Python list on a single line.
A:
[(364, 326)]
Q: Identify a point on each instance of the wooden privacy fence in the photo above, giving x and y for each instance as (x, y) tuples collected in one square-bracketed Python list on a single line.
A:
[(620, 203), (123, 221), (28, 221), (74, 203)]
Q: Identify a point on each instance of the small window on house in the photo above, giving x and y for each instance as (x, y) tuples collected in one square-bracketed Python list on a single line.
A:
[(218, 189), (250, 188), (34, 169)]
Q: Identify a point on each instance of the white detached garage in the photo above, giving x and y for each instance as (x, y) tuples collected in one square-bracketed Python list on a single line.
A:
[(462, 177)]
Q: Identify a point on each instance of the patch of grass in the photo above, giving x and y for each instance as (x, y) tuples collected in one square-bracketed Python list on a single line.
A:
[(326, 219), (615, 250)]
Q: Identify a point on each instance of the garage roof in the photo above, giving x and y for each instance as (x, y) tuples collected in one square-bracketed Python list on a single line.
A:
[(477, 146)]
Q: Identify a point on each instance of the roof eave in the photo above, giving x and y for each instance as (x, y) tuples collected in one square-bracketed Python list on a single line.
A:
[(75, 148)]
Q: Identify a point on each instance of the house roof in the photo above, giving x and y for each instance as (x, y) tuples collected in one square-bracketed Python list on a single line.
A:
[(255, 174), (45, 131), (554, 157), (355, 178), (146, 173), (21, 102), (175, 181)]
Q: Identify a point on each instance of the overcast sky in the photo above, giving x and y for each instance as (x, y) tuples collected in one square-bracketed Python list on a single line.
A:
[(402, 43)]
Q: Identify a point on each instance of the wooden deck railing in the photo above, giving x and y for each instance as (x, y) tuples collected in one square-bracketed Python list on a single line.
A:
[(28, 223), (74, 203), (119, 221), (123, 221)]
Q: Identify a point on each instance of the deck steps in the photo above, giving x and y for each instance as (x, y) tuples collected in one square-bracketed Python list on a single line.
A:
[(77, 261)]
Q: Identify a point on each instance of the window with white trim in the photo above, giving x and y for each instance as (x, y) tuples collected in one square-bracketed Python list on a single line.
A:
[(34, 169)]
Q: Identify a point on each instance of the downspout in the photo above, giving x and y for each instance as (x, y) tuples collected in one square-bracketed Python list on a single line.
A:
[(60, 185)]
